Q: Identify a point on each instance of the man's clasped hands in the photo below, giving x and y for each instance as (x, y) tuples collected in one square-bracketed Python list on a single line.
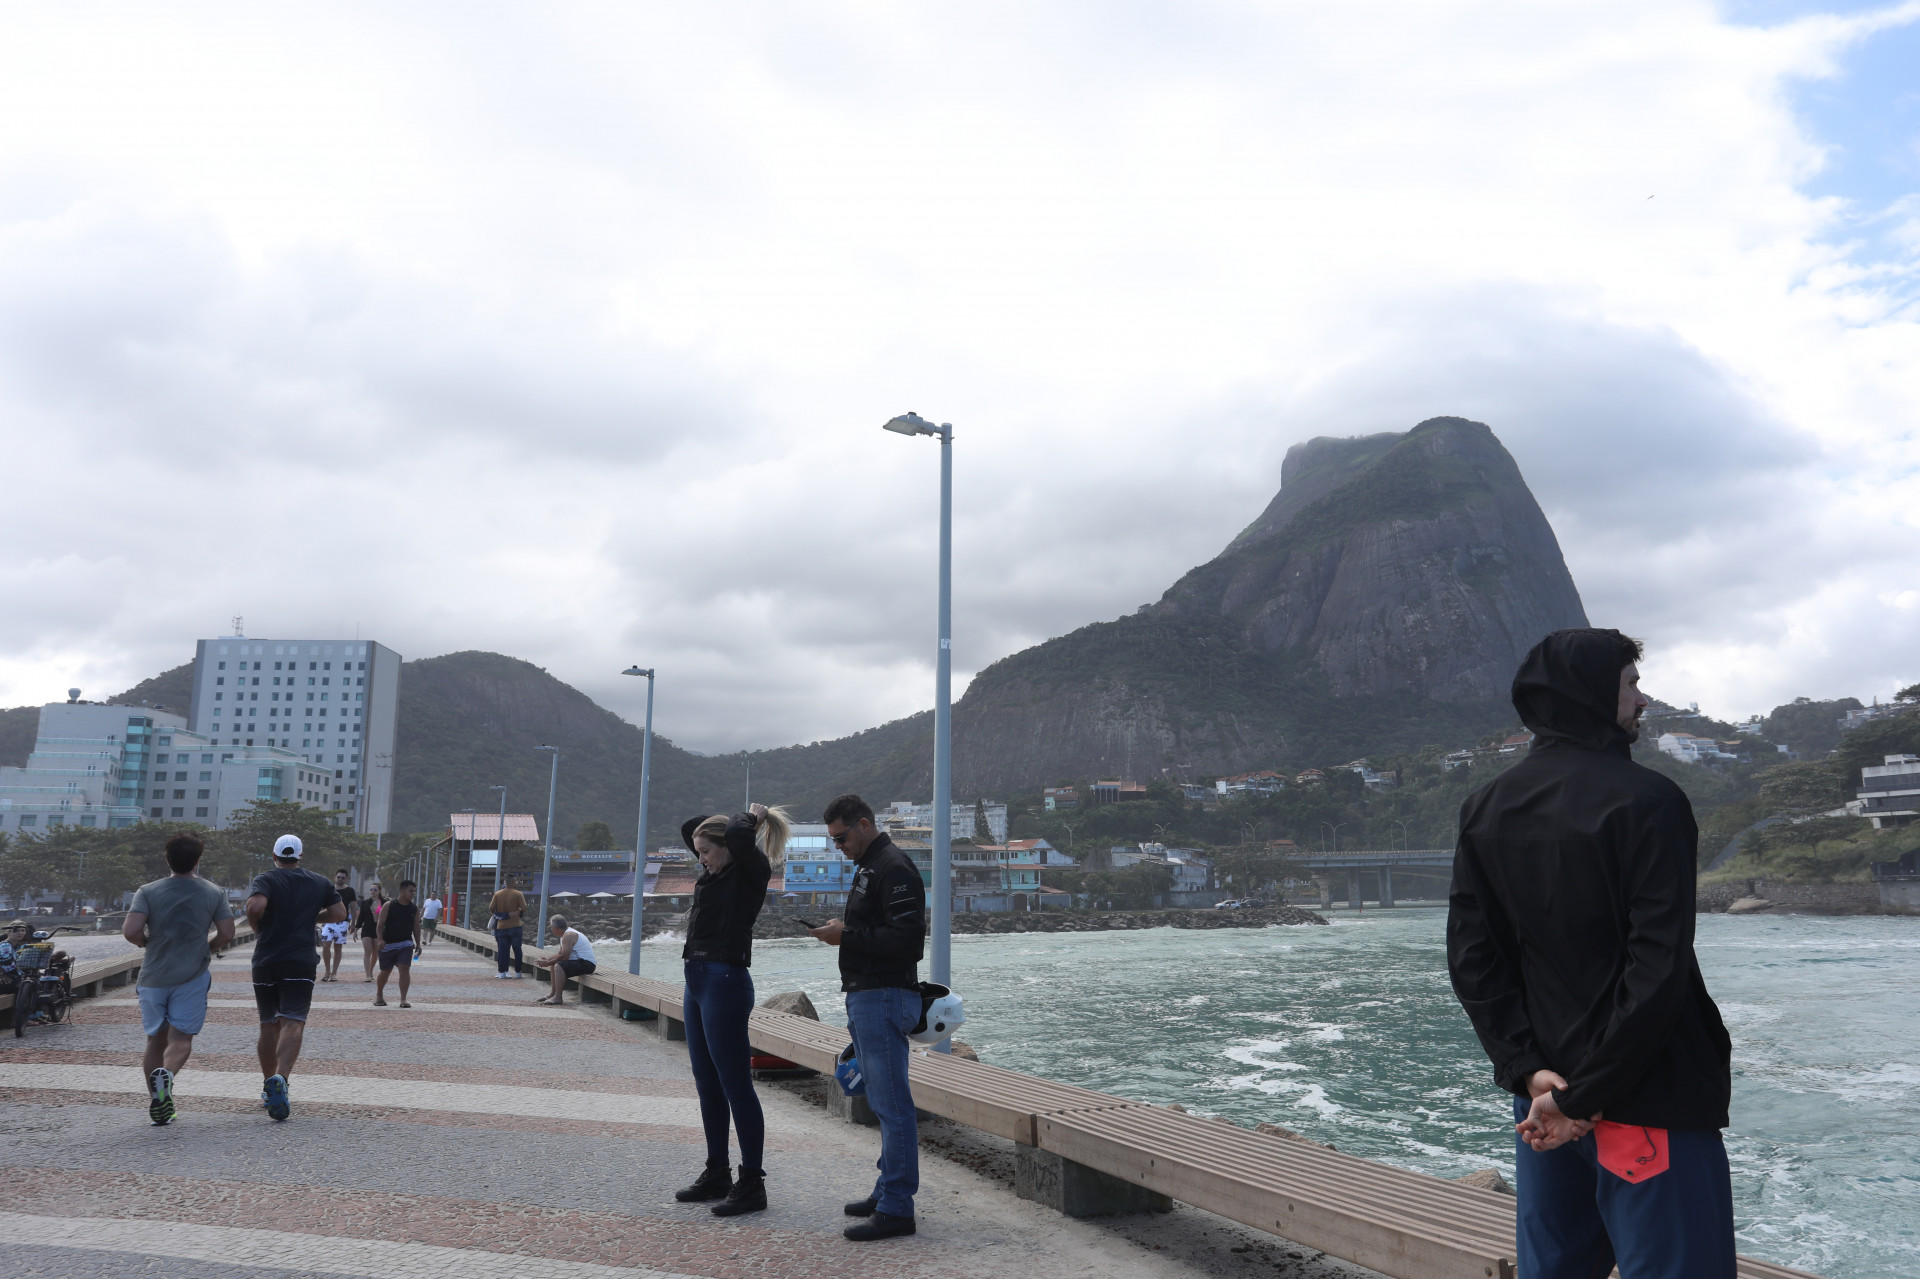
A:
[(1545, 1128)]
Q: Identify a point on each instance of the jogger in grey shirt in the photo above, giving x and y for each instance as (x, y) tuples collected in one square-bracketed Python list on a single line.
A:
[(170, 918)]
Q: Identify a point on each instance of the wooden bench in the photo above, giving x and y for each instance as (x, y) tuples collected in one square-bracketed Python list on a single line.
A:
[(1089, 1153)]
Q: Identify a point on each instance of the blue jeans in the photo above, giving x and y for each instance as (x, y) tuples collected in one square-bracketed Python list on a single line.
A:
[(879, 1021), (1577, 1219), (504, 940), (719, 997)]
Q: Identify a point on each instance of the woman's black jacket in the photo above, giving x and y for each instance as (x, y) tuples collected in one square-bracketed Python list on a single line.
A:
[(720, 925)]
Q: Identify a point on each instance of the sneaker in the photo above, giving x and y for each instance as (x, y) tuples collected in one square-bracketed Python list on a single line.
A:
[(160, 1086), (862, 1207), (749, 1194), (279, 1105), (881, 1225), (712, 1183)]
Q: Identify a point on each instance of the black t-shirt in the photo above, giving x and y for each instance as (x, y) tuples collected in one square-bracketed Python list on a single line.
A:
[(295, 899), (396, 922), (347, 895)]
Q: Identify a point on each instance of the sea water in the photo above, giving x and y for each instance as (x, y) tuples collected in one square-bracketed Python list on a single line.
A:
[(1350, 1034)]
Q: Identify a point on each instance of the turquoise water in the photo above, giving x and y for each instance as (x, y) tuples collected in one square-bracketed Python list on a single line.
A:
[(1350, 1035)]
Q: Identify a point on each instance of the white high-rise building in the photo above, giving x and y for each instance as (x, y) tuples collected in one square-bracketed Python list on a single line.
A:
[(333, 703), (95, 765)]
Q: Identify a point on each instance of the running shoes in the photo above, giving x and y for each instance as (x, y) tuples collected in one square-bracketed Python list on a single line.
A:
[(279, 1105), (160, 1086)]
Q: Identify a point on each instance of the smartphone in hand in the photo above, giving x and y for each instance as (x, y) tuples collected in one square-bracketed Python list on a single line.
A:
[(806, 924)]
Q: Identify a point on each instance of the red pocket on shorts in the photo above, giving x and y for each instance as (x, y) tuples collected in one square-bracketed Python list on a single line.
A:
[(1631, 1152)]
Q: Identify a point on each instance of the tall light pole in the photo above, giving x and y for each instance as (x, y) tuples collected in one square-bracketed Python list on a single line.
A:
[(640, 841), (500, 845), (940, 962), (466, 902), (546, 865)]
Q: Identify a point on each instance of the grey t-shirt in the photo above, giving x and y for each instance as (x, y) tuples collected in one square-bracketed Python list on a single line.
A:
[(179, 910)]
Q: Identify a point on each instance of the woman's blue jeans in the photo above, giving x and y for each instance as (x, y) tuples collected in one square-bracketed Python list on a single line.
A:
[(879, 1021), (718, 1000)]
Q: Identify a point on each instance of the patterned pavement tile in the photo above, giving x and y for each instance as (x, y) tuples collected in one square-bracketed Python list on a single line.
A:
[(312, 1063), (545, 1103), (365, 1017)]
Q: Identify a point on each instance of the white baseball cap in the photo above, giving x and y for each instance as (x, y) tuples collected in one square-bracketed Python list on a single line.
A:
[(287, 846)]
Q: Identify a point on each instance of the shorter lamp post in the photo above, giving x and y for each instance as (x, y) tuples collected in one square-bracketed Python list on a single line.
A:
[(640, 841), (546, 863)]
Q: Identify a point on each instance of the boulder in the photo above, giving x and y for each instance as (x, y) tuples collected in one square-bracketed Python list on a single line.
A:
[(1275, 1130), (965, 1050), (792, 1001), (1487, 1179), (1749, 905)]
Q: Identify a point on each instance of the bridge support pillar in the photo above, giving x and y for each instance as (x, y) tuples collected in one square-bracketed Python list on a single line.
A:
[(1326, 892), (1353, 890), (1076, 1190), (1386, 885)]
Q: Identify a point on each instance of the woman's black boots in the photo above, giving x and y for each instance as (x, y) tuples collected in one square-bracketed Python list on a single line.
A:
[(714, 1182), (749, 1194)]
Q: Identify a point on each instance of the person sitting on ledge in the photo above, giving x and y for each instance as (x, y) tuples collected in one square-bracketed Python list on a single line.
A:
[(574, 958)]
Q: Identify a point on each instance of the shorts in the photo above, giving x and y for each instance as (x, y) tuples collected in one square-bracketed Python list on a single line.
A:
[(334, 933), (428, 926), (183, 1007), (283, 990), (576, 967), (396, 954)]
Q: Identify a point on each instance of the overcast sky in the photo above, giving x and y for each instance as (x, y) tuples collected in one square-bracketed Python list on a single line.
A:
[(567, 331)]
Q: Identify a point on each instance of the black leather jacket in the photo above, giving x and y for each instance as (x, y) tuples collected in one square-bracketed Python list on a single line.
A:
[(725, 905), (885, 927)]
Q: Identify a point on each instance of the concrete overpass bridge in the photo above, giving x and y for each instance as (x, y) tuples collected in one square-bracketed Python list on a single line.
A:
[(1358, 871)]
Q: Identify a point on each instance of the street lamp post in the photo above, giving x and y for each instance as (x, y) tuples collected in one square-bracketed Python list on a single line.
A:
[(940, 962), (640, 841), (500, 844), (546, 864), (466, 902)]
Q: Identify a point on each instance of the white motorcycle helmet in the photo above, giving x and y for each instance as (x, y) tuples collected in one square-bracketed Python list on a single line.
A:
[(941, 1013)]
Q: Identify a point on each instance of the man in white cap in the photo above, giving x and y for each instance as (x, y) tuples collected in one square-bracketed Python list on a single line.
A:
[(283, 905)]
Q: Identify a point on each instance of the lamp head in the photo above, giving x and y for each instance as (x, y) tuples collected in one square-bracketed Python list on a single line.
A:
[(911, 424), (546, 748), (635, 670)]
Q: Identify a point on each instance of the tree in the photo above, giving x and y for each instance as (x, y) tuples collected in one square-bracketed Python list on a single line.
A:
[(982, 832), (1801, 789), (1754, 845), (1911, 694), (245, 848), (593, 837)]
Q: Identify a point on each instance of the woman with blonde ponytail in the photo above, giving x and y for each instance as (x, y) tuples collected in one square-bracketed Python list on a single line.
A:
[(737, 856)]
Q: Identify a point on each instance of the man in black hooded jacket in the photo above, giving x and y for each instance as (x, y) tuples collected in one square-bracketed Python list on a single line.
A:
[(1570, 943)]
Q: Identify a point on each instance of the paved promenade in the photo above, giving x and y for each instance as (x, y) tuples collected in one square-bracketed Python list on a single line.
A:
[(476, 1134)]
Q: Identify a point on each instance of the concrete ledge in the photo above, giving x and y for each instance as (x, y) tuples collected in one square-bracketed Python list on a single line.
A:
[(853, 1110), (1077, 1190)]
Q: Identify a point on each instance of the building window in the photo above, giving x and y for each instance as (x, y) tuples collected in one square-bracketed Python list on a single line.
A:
[(206, 794), (181, 812), (161, 812), (30, 819)]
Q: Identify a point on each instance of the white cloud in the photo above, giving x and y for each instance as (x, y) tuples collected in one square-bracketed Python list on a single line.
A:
[(570, 337)]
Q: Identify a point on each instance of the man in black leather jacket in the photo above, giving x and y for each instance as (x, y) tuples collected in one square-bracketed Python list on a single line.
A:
[(881, 941), (1570, 944)]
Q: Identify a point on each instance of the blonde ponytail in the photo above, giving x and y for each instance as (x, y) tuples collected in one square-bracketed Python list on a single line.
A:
[(775, 829)]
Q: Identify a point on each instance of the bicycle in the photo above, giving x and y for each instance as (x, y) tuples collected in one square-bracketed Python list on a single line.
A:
[(43, 991)]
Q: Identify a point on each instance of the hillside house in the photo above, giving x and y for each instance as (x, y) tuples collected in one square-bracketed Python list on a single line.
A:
[(1692, 748), (1118, 792), (1261, 783), (1060, 799)]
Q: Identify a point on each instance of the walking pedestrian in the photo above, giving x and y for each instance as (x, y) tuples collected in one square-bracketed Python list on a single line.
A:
[(169, 919), (367, 925), (736, 859), (400, 943), (1570, 943), (508, 910), (333, 937), (430, 919), (283, 905), (881, 941), (572, 957)]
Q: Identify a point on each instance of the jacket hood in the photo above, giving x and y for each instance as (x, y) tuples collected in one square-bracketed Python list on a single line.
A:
[(1567, 690)]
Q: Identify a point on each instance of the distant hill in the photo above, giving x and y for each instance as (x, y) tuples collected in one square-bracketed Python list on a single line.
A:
[(469, 720), (168, 691), (1380, 602)]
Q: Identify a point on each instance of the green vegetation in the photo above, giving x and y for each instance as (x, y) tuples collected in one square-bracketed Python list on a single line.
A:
[(105, 866), (597, 836)]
